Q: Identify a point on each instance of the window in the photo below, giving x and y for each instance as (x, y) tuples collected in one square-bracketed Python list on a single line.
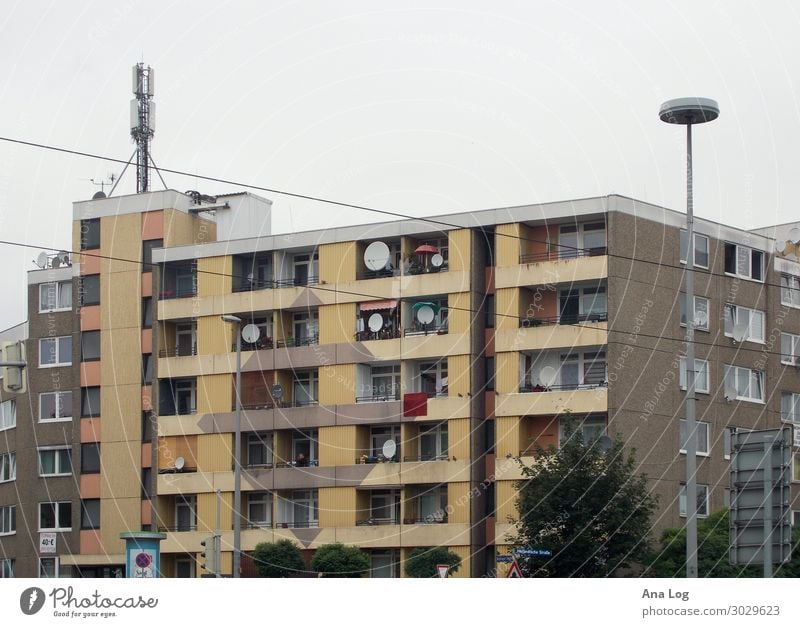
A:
[(590, 428), (700, 249), (90, 458), (701, 307), (147, 484), (90, 346), (90, 402), (306, 388), (55, 406), (582, 304), (185, 339), (147, 253), (147, 368), (744, 384), (727, 442), (384, 506), (700, 377), (702, 437), (702, 500), (55, 461), (185, 513), (305, 444), (259, 509), (90, 289), (306, 327), (8, 520), (55, 516), (433, 441), (384, 382), (6, 568), (300, 509), (750, 319), (432, 504), (8, 415), (90, 514), (489, 366), (790, 290), (432, 378), (790, 349), (90, 234), (147, 312), (306, 269), (744, 262), (589, 237), (48, 567), (378, 436), (8, 467), (55, 296), (259, 449), (488, 307), (184, 567), (55, 351), (185, 396), (384, 564)]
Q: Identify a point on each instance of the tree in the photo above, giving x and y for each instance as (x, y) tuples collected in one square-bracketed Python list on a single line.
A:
[(278, 559), (586, 506), (422, 561), (713, 543), (338, 560)]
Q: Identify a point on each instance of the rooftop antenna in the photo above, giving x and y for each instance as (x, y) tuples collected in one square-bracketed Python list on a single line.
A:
[(143, 123), (101, 183)]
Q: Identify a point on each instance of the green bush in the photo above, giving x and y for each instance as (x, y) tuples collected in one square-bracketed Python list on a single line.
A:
[(278, 559), (422, 561), (338, 560)]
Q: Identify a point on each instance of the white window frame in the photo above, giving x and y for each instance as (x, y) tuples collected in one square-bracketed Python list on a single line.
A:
[(58, 452), (58, 363), (58, 515), (260, 498), (379, 435), (8, 408), (59, 286), (590, 427), (306, 435), (6, 568), (266, 442), (700, 365), (790, 290), (796, 467), (188, 502), (683, 255), (57, 394), (792, 358), (732, 315), (682, 313), (737, 373), (56, 567), (749, 276), (792, 417), (438, 431), (682, 500), (8, 519), (704, 426), (8, 460)]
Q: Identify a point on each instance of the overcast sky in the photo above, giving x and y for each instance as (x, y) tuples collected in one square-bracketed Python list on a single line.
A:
[(420, 107)]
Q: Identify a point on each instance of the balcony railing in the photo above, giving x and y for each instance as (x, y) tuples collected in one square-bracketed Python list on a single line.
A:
[(264, 466), (255, 406), (178, 352), (378, 521), (181, 528), (167, 294), (427, 458), (437, 518), (297, 524), (295, 464), (266, 524), (179, 411), (563, 253), (380, 397), (378, 458), (377, 274), (383, 334), (527, 387), (297, 282), (263, 344), (250, 285), (564, 319), (433, 329), (299, 341)]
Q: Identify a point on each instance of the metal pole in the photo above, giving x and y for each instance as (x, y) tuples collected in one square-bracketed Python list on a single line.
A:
[(237, 453), (691, 422), (766, 463), (217, 535)]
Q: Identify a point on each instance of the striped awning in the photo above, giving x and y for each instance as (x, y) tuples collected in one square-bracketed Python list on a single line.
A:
[(378, 305)]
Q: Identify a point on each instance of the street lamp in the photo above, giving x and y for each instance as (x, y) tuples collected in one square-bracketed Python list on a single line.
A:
[(689, 111), (237, 449)]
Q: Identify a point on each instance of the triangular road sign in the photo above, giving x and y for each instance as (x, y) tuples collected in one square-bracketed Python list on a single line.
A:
[(442, 570), (514, 572)]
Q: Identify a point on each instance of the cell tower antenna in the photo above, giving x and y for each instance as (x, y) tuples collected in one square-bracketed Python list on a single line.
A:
[(143, 122)]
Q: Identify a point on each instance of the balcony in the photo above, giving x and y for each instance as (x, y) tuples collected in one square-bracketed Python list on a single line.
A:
[(364, 275), (553, 400), (569, 267), (371, 521), (241, 284), (563, 253), (290, 342), (180, 351), (167, 294), (297, 281), (437, 329), (526, 323), (383, 334), (526, 388), (264, 343), (178, 528), (297, 524), (381, 397)]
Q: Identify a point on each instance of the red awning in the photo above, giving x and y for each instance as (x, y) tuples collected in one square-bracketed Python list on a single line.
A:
[(378, 305), (426, 249)]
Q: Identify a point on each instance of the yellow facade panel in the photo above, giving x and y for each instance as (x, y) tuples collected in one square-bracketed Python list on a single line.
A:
[(458, 374), (214, 452), (120, 411), (460, 249), (118, 514), (338, 446), (214, 276), (507, 244), (337, 507), (121, 244), (171, 448), (507, 436), (207, 511), (337, 384), (337, 323), (120, 300), (119, 349), (506, 495), (337, 262), (214, 336), (507, 307), (214, 393), (458, 502), (506, 372), (458, 436), (459, 312)]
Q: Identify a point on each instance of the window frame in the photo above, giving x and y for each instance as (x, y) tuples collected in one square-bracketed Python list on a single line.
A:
[(57, 461), (59, 288), (747, 277), (700, 423), (761, 374), (736, 309), (85, 302), (58, 356), (7, 568), (86, 226), (792, 287), (58, 505), (682, 312), (8, 518), (260, 497), (90, 470), (57, 404), (682, 497), (11, 456), (94, 411), (682, 256), (92, 523), (682, 379), (12, 404), (56, 567), (794, 355)]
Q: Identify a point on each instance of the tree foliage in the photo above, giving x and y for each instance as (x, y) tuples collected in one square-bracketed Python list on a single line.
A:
[(713, 542), (278, 559), (338, 560), (588, 507), (422, 561)]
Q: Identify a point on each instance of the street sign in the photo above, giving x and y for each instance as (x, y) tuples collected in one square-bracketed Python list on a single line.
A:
[(442, 570), (47, 542), (760, 497), (514, 572), (528, 552), (504, 559)]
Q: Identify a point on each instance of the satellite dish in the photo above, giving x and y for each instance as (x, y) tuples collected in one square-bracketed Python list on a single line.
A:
[(547, 376), (277, 391), (41, 260), (375, 322), (425, 314), (389, 449), (179, 463), (99, 195), (376, 256), (788, 243), (739, 331), (604, 443), (700, 319), (251, 333), (437, 260), (63, 257)]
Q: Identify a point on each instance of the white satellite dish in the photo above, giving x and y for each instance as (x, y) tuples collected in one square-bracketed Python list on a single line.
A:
[(376, 256), (425, 314), (179, 463), (41, 260), (375, 322), (547, 376), (437, 260), (700, 319), (739, 331), (389, 449), (251, 333)]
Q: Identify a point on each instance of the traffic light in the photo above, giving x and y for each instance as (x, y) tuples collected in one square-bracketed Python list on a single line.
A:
[(12, 365), (209, 562)]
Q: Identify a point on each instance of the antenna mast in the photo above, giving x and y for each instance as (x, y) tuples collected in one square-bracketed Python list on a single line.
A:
[(143, 125)]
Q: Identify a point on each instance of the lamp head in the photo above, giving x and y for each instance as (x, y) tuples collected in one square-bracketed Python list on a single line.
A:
[(231, 319), (689, 111)]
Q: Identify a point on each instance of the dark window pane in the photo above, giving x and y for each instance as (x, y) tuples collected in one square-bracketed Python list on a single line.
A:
[(147, 312), (90, 345), (147, 253), (47, 515), (147, 477), (65, 515), (147, 368), (90, 401), (730, 258), (90, 514), (90, 234), (90, 289), (90, 458), (147, 427)]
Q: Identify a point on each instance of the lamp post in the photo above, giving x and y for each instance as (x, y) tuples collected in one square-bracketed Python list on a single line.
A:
[(690, 111), (237, 450)]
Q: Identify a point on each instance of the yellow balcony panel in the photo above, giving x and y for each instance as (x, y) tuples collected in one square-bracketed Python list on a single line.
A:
[(445, 407), (436, 534), (552, 403), (198, 482), (552, 336), (434, 346), (370, 536), (508, 468), (550, 272), (183, 542), (504, 532), (191, 424), (435, 471)]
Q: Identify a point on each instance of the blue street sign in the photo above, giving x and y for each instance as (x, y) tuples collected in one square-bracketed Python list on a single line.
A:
[(504, 559), (525, 552)]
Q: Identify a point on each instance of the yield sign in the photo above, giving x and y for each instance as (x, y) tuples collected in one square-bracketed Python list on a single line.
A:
[(442, 569), (514, 572)]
